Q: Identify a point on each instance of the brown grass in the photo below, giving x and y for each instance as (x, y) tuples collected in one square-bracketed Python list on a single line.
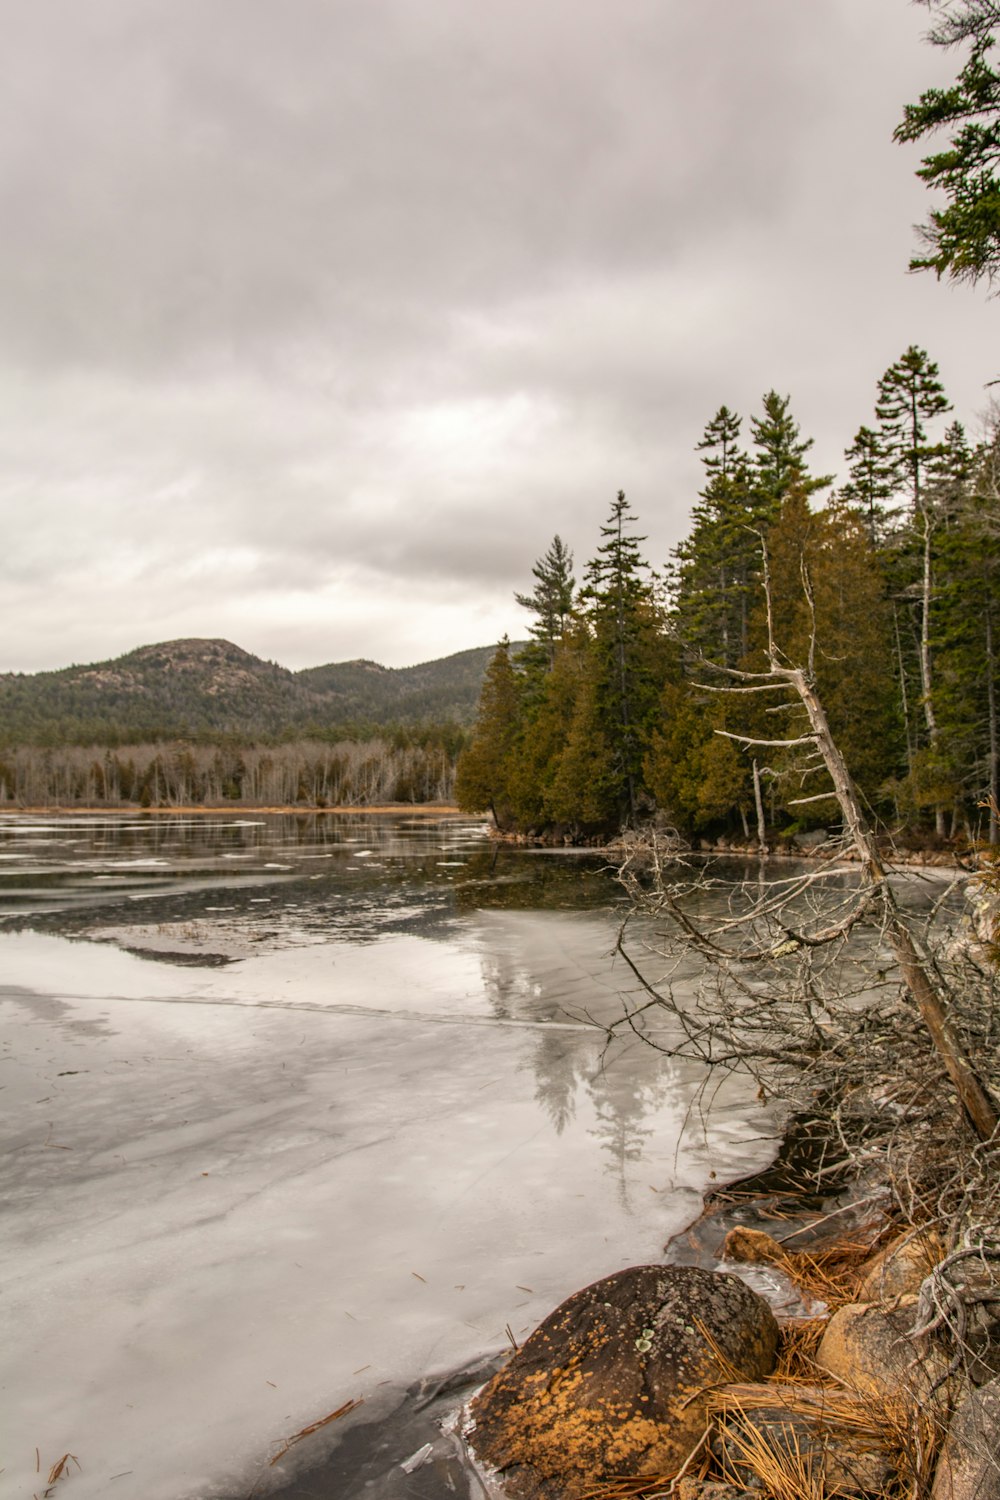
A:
[(798, 1341), (831, 1275)]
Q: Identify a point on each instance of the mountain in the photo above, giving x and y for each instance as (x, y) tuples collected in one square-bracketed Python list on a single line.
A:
[(187, 688)]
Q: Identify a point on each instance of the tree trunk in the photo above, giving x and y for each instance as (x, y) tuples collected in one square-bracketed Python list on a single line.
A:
[(759, 803), (926, 679), (915, 965), (991, 703)]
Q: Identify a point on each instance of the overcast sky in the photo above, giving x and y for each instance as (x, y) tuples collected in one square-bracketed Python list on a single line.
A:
[(319, 319)]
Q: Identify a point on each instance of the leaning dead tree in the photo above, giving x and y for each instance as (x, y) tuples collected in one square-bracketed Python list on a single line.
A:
[(791, 1022)]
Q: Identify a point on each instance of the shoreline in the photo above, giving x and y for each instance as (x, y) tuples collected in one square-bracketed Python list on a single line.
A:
[(134, 810)]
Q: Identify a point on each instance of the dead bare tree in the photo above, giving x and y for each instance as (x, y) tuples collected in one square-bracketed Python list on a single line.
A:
[(791, 1017)]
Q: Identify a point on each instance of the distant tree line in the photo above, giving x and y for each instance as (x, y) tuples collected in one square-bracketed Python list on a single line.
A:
[(610, 716), (401, 768)]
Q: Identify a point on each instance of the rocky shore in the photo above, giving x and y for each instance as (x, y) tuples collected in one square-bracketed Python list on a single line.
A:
[(813, 844), (788, 1347)]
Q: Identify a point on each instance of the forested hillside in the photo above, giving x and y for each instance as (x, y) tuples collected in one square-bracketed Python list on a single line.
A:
[(210, 688), (885, 586)]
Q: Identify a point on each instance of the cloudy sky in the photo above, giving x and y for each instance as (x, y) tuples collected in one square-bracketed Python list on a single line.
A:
[(318, 320)]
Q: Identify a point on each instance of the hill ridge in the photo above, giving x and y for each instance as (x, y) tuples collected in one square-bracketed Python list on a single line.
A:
[(198, 685)]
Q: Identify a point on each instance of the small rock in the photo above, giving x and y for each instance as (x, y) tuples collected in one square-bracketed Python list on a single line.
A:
[(898, 1269), (969, 1466), (615, 1380), (753, 1246)]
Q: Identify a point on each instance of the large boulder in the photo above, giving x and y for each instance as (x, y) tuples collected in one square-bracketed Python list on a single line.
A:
[(969, 1466), (616, 1381), (869, 1349)]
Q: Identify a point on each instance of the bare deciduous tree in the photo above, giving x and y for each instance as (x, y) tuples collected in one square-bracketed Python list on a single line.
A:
[(781, 958)]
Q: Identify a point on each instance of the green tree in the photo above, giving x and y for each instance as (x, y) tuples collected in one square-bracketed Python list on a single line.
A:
[(962, 239), (715, 569), (873, 478), (551, 599), (550, 702), (780, 459), (482, 776), (911, 398), (619, 605), (585, 790), (967, 619)]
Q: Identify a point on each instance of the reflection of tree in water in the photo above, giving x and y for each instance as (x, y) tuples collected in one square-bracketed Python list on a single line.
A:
[(626, 1081), (626, 1089), (559, 1064), (503, 879)]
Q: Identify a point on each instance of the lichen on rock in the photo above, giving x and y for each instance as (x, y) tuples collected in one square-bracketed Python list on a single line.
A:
[(617, 1380)]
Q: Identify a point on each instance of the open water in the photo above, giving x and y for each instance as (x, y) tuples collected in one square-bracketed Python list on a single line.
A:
[(311, 1113)]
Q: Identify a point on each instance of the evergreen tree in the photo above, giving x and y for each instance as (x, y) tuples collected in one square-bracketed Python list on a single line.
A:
[(550, 702), (910, 396), (620, 610), (483, 774), (780, 457), (966, 767), (962, 239), (585, 789), (720, 444), (714, 571), (873, 478), (551, 600)]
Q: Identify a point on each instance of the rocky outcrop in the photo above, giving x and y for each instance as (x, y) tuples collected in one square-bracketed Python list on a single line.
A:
[(616, 1381), (969, 1466)]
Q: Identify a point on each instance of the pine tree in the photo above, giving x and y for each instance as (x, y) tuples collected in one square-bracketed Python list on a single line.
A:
[(963, 238), (714, 571), (550, 702), (873, 478), (840, 623), (781, 451), (721, 444), (967, 616), (619, 605), (910, 396), (483, 774), (551, 600)]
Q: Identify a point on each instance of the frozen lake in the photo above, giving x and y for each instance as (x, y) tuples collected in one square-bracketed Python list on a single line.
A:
[(302, 1111)]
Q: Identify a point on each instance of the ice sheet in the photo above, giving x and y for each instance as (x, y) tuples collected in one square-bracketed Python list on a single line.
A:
[(236, 1198)]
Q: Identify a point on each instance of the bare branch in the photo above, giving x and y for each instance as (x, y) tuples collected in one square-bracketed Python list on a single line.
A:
[(744, 739)]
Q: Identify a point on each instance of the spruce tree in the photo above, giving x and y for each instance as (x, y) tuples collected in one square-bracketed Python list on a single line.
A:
[(873, 478), (910, 397), (713, 572), (966, 619), (551, 600), (619, 604), (962, 239), (483, 774), (781, 454)]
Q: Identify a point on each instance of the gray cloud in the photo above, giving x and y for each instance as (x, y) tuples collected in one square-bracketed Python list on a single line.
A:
[(317, 320)]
